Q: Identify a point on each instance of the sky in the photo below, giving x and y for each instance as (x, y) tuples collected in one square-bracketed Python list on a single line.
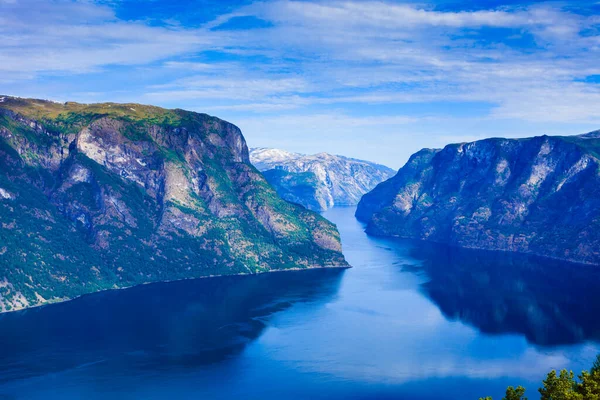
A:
[(376, 80)]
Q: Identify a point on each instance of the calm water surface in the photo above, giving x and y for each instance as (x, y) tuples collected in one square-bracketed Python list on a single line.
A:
[(409, 321)]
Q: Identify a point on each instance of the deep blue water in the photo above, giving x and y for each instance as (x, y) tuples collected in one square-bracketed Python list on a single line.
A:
[(409, 321)]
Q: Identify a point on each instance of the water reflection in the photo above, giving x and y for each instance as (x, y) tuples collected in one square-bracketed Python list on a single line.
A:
[(405, 322), (549, 301), (178, 324)]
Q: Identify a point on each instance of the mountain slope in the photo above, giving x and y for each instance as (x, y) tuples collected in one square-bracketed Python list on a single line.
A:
[(113, 195), (318, 181), (539, 195)]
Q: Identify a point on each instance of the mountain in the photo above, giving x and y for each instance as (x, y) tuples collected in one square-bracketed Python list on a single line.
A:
[(111, 195), (539, 195), (319, 181)]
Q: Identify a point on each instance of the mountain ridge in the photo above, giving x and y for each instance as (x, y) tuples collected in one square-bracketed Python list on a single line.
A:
[(537, 195), (108, 195), (318, 181)]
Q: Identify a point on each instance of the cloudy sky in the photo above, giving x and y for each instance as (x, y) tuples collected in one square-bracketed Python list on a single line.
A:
[(368, 79)]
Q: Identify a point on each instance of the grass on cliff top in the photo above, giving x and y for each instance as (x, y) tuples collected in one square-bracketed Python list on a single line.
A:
[(71, 113), (71, 117), (42, 109)]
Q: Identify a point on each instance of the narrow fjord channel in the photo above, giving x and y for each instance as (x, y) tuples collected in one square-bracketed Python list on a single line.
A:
[(410, 320)]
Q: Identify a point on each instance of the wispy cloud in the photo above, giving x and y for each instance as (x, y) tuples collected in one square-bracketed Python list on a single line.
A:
[(320, 58), (41, 36)]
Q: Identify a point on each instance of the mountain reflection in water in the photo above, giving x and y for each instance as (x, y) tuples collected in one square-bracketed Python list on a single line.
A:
[(549, 301), (154, 326), (411, 320)]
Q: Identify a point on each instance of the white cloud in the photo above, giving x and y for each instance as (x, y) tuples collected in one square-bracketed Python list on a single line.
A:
[(41, 36), (329, 54), (394, 53), (387, 15)]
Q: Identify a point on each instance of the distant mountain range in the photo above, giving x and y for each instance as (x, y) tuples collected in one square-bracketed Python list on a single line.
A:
[(109, 195), (318, 181), (539, 195)]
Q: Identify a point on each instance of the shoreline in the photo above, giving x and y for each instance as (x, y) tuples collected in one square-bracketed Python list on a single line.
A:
[(297, 269), (521, 253)]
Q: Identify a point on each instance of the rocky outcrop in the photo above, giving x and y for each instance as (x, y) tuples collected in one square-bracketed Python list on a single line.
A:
[(319, 181), (539, 196), (113, 195)]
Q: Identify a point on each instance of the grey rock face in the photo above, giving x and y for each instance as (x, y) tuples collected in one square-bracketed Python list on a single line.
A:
[(318, 181), (104, 196), (539, 195)]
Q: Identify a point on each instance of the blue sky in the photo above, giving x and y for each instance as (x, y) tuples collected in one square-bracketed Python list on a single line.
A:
[(368, 79)]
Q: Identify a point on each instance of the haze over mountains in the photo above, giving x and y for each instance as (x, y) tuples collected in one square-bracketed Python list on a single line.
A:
[(318, 181), (112, 195)]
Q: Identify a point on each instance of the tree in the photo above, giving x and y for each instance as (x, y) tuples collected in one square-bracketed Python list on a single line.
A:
[(515, 394), (590, 382), (560, 387), (563, 386), (596, 366), (511, 394)]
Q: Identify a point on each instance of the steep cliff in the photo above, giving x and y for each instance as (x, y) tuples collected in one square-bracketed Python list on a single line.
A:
[(113, 195), (539, 195), (319, 181)]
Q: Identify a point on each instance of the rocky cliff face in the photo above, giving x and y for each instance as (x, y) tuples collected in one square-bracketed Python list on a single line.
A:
[(113, 195), (539, 195), (319, 181)]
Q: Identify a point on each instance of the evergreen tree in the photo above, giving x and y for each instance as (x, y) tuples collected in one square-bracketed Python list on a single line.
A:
[(515, 394), (560, 387), (589, 387), (596, 366), (511, 394), (563, 386)]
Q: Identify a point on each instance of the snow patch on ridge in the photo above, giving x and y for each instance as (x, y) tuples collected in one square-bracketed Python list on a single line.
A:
[(261, 156)]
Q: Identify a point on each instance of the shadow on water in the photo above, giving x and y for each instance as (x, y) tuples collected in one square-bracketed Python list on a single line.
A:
[(166, 325), (549, 301)]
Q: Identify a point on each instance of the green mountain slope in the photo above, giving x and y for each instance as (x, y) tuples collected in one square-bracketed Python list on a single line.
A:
[(112, 195)]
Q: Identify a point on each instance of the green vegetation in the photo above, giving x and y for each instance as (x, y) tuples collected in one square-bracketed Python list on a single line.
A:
[(301, 188), (27, 132), (151, 195), (40, 249), (563, 386), (299, 184), (72, 112)]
